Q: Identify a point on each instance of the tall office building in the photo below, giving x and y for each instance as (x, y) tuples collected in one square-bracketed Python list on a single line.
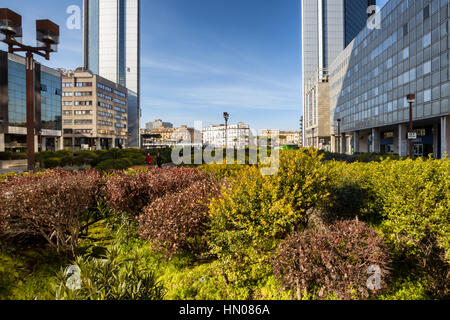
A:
[(328, 26), (112, 49), (372, 77)]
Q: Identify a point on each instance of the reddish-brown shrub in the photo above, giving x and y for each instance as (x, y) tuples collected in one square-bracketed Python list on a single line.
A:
[(51, 205), (177, 221), (131, 193), (333, 261)]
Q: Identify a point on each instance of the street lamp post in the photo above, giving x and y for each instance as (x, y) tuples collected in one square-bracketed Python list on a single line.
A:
[(47, 36), (226, 116), (411, 99)]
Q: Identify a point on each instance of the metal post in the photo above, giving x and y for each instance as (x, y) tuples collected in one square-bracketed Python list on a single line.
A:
[(30, 111)]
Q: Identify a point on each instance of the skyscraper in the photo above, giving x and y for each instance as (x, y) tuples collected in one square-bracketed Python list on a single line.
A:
[(112, 49), (328, 26)]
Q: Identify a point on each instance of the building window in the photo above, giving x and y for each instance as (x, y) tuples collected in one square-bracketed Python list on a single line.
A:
[(426, 12)]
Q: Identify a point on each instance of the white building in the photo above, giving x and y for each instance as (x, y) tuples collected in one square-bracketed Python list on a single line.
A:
[(111, 38), (237, 136)]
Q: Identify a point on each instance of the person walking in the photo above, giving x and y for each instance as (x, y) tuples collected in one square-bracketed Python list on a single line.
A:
[(159, 160), (149, 159)]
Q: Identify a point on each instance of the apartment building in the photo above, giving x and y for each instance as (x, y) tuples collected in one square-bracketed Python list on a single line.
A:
[(94, 112), (234, 136)]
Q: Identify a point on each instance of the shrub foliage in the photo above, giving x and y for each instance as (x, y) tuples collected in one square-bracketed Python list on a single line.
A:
[(177, 221), (132, 191), (332, 262), (52, 205), (257, 211)]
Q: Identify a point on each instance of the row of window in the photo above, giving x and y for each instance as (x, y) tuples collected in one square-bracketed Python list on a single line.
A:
[(77, 94)]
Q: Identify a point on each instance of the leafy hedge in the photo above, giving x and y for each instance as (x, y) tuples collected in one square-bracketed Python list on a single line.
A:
[(177, 221), (132, 191), (114, 159), (252, 216), (50, 205), (333, 262)]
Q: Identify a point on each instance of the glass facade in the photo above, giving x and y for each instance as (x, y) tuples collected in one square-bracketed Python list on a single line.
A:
[(122, 44), (17, 95), (93, 39), (50, 98), (51, 114), (409, 54), (356, 16)]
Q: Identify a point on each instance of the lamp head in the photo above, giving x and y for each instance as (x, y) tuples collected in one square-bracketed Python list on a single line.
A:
[(10, 24), (411, 98), (47, 34)]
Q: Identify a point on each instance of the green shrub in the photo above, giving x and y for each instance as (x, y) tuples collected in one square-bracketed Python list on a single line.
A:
[(332, 261), (257, 212), (114, 164), (51, 163), (111, 278)]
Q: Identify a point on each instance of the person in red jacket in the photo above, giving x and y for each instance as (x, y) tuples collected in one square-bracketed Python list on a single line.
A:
[(149, 159)]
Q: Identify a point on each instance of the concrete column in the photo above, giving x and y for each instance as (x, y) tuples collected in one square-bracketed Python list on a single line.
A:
[(36, 144), (59, 143), (342, 143), (356, 142), (98, 146), (113, 143), (44, 144), (376, 140), (2, 142), (402, 140), (436, 140), (445, 136)]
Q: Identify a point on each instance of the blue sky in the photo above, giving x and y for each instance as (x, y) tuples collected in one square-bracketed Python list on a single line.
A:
[(203, 57)]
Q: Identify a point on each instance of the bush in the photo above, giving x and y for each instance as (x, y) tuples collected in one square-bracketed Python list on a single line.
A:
[(332, 262), (51, 205), (114, 164), (257, 212), (50, 163), (131, 192), (8, 155), (177, 221), (110, 278)]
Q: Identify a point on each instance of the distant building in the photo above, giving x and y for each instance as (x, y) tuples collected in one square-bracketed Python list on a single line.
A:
[(13, 109), (168, 136), (94, 112), (283, 138), (158, 124), (290, 138), (236, 136)]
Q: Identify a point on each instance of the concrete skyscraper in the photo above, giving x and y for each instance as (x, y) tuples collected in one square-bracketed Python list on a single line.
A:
[(112, 50), (328, 26)]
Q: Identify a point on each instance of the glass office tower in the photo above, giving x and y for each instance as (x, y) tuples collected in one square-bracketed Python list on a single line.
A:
[(112, 48), (327, 28), (371, 78), (13, 107)]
